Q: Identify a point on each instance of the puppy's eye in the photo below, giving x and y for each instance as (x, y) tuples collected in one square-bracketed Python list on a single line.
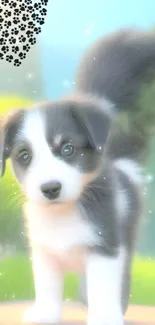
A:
[(24, 157), (68, 150)]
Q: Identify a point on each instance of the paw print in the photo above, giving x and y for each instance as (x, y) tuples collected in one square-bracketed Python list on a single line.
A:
[(40, 21), (2, 41), (5, 33), (17, 12), (7, 13), (7, 24), (37, 6), (1, 27), (22, 7), (44, 2), (34, 16), (9, 58), (1, 20), (14, 31), (37, 30), (25, 17), (12, 40), (16, 20), (17, 63), (43, 12), (32, 40), (28, 2), (30, 9), (22, 39), (1, 56), (13, 4), (29, 33), (26, 47), (5, 49), (15, 49), (22, 55), (22, 27), (31, 24), (5, 2)]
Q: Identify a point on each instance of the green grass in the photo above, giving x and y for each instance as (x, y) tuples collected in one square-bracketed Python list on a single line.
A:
[(16, 281)]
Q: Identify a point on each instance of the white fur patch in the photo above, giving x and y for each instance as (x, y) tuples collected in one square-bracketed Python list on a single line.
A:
[(131, 169), (122, 202), (58, 232), (45, 167), (104, 285)]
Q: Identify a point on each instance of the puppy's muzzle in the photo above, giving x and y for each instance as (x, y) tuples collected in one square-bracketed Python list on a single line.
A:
[(51, 190)]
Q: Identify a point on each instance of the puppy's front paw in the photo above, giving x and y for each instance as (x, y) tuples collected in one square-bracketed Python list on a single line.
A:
[(109, 316), (40, 314)]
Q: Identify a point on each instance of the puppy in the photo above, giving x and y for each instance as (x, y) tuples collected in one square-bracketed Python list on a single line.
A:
[(83, 180)]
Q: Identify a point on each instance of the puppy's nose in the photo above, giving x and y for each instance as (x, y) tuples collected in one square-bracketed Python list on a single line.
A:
[(51, 190)]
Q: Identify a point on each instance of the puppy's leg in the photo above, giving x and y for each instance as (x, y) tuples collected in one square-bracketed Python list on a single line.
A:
[(48, 287), (104, 286)]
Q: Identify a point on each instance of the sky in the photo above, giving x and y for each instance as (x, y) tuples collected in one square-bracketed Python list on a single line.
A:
[(71, 25)]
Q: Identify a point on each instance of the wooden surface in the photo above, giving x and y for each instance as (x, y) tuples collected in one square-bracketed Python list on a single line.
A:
[(73, 313)]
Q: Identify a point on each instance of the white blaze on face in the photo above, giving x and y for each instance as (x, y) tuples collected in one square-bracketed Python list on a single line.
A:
[(45, 167)]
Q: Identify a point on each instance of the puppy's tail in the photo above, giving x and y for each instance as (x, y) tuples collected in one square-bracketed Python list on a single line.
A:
[(121, 67)]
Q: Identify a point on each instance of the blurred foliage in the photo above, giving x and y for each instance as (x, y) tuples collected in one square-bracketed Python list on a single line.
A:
[(16, 281), (11, 223)]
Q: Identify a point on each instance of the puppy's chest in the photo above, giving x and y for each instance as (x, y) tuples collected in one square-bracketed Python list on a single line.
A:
[(62, 235)]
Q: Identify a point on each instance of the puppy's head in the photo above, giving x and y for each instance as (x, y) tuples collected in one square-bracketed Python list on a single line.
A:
[(56, 148)]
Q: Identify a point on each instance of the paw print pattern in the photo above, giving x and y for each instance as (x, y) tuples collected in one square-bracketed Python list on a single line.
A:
[(22, 27), (12, 40), (5, 49), (9, 58), (7, 24), (17, 62), (5, 2), (26, 47), (15, 49), (16, 20), (22, 55), (20, 23), (14, 31), (7, 13), (1, 56), (43, 12)]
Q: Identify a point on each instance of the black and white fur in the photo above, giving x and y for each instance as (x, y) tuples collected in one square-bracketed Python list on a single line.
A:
[(83, 182)]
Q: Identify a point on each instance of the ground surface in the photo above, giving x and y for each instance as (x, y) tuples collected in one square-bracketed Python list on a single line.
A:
[(11, 314)]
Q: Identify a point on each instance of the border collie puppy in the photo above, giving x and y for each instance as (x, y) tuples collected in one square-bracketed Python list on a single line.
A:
[(83, 179)]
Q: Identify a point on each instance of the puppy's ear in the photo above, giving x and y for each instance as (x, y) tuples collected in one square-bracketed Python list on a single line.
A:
[(8, 130), (95, 123)]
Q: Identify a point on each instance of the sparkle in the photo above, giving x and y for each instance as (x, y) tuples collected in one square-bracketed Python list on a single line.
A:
[(29, 76), (100, 233), (66, 83), (89, 30), (94, 58), (82, 154)]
